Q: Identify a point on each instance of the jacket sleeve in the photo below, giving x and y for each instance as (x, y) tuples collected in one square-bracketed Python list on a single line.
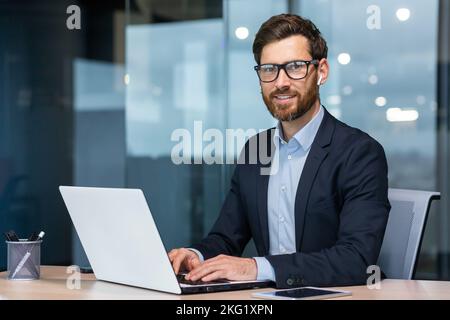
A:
[(230, 233), (363, 218)]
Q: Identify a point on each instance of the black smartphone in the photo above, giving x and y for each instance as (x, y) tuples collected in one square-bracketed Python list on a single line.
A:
[(305, 293)]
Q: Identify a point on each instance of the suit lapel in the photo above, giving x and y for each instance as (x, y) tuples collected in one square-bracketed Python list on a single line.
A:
[(262, 187), (317, 154)]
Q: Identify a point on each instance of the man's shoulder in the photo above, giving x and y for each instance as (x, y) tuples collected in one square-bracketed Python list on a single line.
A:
[(349, 137), (344, 135)]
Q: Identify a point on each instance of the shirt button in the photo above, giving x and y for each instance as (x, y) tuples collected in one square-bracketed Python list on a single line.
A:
[(281, 218), (282, 249), (283, 188), (289, 157)]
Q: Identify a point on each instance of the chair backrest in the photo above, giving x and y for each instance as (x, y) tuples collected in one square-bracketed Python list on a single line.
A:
[(404, 231)]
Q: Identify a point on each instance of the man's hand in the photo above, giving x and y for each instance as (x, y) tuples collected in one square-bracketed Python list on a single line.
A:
[(224, 267), (183, 259)]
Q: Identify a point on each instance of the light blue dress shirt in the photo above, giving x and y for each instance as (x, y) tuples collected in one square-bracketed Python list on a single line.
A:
[(291, 156), (287, 166)]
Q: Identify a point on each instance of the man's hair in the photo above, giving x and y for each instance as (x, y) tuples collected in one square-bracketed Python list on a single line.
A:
[(285, 25)]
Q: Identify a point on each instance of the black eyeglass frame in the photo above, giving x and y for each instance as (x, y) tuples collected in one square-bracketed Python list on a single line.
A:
[(283, 66)]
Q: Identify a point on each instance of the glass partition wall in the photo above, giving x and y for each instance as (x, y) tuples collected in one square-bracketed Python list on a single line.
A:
[(161, 95), (189, 68)]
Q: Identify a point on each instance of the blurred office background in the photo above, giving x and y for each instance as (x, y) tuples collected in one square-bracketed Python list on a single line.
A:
[(97, 106)]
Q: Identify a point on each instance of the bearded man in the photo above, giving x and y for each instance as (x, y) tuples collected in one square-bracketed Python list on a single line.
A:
[(319, 218)]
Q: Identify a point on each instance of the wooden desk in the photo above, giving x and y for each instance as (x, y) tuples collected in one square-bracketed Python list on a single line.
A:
[(52, 285)]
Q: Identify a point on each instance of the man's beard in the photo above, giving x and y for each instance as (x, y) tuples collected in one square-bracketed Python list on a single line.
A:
[(304, 104)]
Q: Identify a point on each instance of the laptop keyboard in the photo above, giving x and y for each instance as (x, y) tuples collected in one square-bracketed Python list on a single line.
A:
[(181, 279)]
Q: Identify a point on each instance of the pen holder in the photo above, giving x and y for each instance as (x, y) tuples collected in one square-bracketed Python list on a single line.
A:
[(24, 259)]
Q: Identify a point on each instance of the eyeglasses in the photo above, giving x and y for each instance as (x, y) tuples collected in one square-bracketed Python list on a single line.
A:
[(295, 70)]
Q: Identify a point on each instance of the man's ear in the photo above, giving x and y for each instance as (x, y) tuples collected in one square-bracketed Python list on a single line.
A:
[(322, 70)]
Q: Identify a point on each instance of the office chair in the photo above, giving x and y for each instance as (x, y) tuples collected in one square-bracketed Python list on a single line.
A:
[(404, 231)]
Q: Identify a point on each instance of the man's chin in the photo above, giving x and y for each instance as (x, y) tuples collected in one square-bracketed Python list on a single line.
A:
[(283, 111), (286, 116)]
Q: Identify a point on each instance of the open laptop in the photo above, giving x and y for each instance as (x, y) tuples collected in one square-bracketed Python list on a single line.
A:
[(123, 245)]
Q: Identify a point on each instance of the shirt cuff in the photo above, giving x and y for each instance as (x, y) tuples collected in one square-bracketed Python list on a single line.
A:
[(265, 269), (200, 256)]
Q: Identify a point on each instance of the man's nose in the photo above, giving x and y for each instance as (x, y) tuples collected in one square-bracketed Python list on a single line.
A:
[(283, 81)]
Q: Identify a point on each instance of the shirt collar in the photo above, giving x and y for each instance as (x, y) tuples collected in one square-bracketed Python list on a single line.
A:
[(305, 136)]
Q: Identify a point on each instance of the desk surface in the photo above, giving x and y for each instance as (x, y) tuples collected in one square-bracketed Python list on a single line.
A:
[(52, 285)]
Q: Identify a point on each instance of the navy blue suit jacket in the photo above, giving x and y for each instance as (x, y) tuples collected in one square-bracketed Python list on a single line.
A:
[(341, 211)]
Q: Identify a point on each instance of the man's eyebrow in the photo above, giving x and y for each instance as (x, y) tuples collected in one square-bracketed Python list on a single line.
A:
[(288, 61)]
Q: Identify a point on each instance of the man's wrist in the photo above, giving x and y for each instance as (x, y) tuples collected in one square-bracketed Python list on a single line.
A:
[(265, 270), (198, 253)]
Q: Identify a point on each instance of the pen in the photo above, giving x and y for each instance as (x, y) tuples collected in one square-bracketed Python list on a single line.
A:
[(26, 256), (32, 237), (11, 236), (40, 236), (21, 263)]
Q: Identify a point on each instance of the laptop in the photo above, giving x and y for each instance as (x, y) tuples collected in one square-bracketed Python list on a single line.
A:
[(123, 245)]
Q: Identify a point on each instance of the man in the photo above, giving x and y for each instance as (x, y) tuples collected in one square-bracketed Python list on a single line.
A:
[(319, 219)]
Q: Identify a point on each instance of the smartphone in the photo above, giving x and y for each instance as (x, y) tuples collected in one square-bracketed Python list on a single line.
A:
[(304, 293)]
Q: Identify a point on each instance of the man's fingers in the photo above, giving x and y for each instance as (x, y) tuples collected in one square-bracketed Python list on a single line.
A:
[(183, 258), (219, 257), (224, 267), (172, 254), (192, 262), (215, 261), (204, 270), (214, 276), (203, 265), (177, 261)]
